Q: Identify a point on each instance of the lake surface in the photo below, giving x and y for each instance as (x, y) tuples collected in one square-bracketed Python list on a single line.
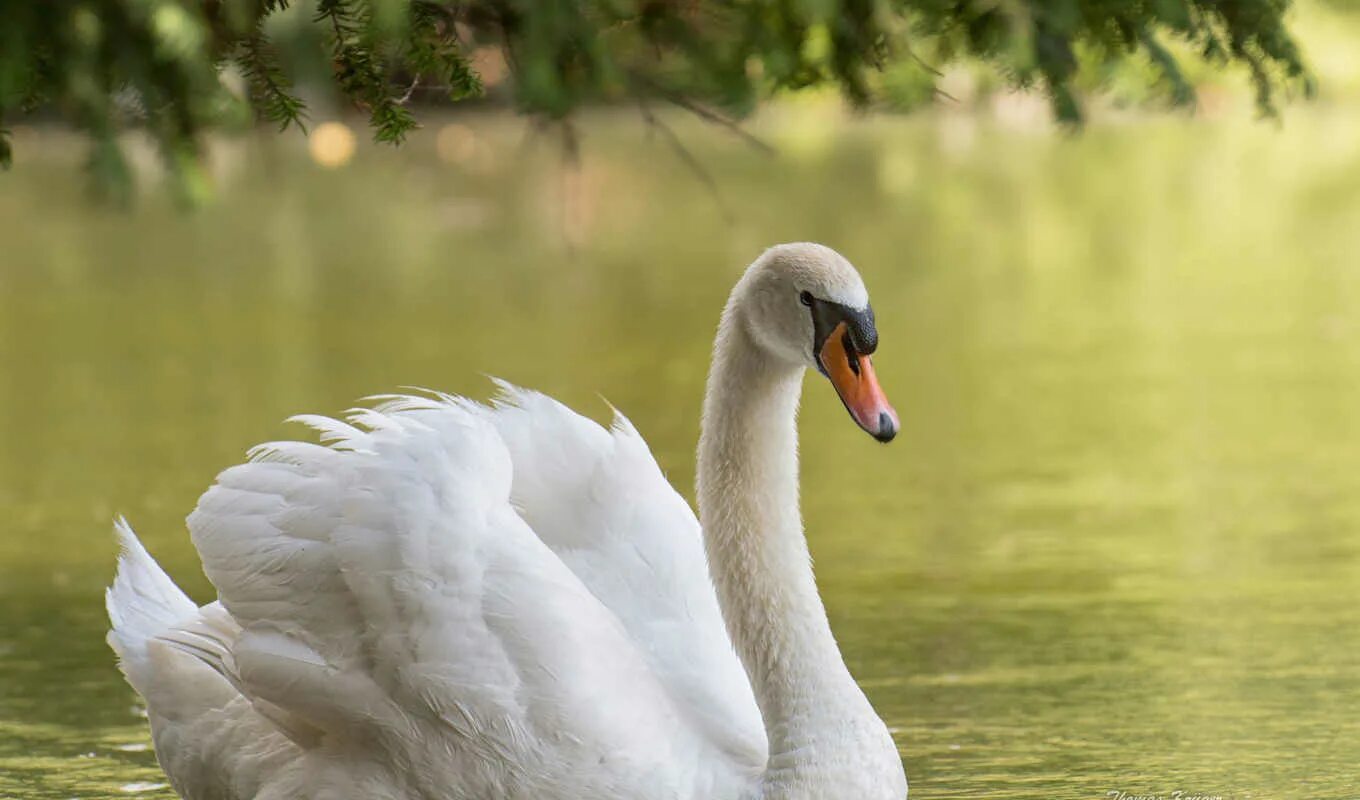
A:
[(1116, 546)]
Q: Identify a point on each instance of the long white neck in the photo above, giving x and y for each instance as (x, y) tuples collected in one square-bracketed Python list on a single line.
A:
[(753, 533)]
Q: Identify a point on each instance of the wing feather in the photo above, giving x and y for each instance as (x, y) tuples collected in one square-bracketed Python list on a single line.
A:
[(598, 498), (391, 597)]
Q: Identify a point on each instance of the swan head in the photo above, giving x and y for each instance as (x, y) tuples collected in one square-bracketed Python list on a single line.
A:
[(806, 305)]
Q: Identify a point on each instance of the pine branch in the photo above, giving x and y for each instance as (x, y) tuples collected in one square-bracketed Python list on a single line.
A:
[(360, 72), (433, 50), (271, 91), (95, 62)]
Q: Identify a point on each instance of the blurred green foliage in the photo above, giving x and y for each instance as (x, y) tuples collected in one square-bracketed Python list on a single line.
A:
[(180, 68)]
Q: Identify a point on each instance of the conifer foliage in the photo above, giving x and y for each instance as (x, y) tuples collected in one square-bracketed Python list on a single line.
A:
[(106, 65)]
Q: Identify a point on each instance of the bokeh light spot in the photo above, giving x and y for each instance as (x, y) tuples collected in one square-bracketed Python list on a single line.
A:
[(331, 144)]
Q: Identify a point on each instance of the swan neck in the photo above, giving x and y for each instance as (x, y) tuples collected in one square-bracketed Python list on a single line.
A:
[(758, 555)]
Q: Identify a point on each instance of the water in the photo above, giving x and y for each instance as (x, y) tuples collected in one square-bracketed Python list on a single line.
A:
[(1115, 548)]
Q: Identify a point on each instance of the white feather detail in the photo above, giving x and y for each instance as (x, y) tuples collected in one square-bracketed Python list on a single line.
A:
[(500, 595)]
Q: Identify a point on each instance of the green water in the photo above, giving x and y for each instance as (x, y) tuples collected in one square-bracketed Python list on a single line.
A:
[(1115, 548)]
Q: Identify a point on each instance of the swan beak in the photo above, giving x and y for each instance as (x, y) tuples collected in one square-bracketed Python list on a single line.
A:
[(852, 374)]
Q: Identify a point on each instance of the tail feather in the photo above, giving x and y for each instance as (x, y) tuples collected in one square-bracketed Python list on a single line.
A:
[(143, 603), (145, 606)]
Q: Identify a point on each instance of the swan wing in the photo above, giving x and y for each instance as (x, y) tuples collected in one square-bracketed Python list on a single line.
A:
[(599, 500), (390, 598)]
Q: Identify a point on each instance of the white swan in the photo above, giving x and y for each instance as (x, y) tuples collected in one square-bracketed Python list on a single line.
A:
[(456, 601)]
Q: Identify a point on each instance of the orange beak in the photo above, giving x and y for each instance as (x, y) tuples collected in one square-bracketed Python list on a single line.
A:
[(853, 376)]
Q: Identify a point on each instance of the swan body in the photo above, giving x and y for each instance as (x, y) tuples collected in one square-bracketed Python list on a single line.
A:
[(450, 600)]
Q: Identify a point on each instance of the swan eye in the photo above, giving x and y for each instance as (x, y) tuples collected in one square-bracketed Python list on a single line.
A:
[(805, 298)]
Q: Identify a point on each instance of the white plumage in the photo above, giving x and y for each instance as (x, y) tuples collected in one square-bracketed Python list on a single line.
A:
[(450, 600)]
